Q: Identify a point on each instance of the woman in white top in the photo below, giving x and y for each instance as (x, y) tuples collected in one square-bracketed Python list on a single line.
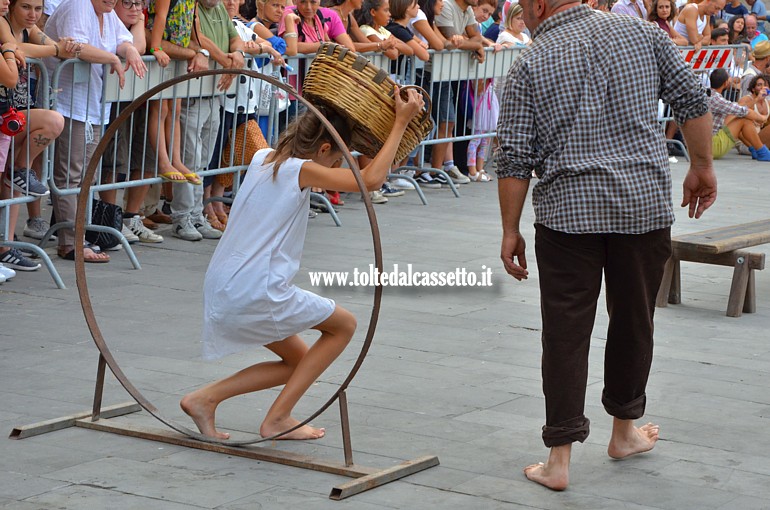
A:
[(514, 35), (249, 297)]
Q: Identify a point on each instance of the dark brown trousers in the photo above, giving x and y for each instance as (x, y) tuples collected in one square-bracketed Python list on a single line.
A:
[(570, 268)]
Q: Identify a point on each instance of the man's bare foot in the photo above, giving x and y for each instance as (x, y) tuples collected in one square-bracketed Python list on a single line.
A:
[(201, 410), (633, 440), (553, 478), (277, 426)]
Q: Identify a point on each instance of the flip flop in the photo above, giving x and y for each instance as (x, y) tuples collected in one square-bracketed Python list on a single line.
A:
[(193, 178), (173, 176), (70, 255)]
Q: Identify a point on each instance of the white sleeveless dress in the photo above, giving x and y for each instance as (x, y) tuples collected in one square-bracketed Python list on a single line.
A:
[(248, 295)]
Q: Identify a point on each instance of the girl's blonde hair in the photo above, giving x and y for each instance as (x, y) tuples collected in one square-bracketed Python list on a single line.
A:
[(305, 135), (514, 11)]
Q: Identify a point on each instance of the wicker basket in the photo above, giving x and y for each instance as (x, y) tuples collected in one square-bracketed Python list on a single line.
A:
[(348, 83), (248, 134)]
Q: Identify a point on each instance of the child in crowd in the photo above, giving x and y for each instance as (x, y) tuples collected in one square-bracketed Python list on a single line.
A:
[(402, 13), (514, 34), (270, 310), (169, 20), (485, 112), (372, 19)]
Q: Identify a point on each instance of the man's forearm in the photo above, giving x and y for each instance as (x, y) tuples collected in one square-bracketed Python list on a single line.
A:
[(512, 193), (697, 134)]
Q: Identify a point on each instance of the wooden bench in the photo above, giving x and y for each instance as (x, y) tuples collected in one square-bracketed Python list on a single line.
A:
[(722, 247)]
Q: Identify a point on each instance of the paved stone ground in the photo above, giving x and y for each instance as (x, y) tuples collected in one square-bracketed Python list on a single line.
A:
[(452, 372)]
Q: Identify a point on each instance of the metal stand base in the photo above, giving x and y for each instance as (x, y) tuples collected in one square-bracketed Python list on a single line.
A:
[(365, 477)]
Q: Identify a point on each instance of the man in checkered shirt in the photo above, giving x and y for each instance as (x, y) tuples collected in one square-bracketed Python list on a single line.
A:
[(580, 110)]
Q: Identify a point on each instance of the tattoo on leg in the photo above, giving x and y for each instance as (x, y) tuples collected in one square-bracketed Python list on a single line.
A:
[(41, 141)]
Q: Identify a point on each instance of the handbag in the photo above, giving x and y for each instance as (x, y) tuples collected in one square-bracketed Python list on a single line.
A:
[(106, 215)]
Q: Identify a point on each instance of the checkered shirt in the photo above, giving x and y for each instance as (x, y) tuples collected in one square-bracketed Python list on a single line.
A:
[(580, 109), (721, 108)]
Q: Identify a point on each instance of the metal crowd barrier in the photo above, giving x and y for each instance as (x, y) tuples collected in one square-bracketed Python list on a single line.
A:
[(37, 70)]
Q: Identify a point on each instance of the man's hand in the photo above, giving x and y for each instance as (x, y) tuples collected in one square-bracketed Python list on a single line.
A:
[(236, 60), (199, 62), (699, 190), (512, 250)]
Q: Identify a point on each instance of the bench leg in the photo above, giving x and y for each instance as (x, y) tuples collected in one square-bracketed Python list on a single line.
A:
[(675, 294), (739, 287), (750, 304), (662, 299)]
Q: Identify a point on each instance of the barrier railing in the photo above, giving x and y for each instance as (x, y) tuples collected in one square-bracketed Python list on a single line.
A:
[(453, 78)]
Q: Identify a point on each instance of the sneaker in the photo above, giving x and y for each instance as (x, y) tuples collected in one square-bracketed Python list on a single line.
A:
[(377, 197), (6, 273), (441, 179), (26, 182), (142, 233), (2, 279), (186, 230), (36, 229), (401, 183), (425, 180), (311, 214), (130, 236), (15, 260), (752, 152), (456, 175), (672, 159), (742, 149), (762, 154), (205, 229), (390, 191)]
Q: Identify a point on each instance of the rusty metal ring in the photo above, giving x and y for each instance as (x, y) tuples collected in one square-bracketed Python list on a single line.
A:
[(80, 274)]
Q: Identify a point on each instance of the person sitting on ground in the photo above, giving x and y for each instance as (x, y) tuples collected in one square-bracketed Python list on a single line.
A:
[(733, 122), (757, 101), (271, 311), (693, 22), (758, 66), (662, 13)]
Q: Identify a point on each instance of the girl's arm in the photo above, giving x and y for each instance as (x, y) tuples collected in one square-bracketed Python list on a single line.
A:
[(391, 53), (158, 27), (402, 47), (314, 175), (419, 50), (40, 45), (435, 42), (9, 71), (137, 30)]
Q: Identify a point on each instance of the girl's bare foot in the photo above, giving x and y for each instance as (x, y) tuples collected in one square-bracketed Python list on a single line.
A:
[(277, 426), (630, 441), (201, 410), (548, 476)]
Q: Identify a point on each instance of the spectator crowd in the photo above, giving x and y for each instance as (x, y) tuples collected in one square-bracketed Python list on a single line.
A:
[(182, 137)]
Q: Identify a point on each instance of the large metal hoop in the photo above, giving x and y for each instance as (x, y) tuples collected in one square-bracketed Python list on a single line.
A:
[(82, 284)]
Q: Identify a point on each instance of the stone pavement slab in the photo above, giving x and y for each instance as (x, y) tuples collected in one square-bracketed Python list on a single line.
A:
[(452, 372)]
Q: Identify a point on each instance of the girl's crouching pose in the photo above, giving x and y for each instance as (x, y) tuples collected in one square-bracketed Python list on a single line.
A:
[(249, 298)]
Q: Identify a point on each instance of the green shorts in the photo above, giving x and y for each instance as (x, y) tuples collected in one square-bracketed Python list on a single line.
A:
[(722, 142)]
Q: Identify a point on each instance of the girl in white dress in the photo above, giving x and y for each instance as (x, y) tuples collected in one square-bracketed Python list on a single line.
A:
[(249, 298)]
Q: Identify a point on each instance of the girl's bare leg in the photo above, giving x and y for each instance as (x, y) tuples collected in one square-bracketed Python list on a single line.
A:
[(336, 331), (157, 135)]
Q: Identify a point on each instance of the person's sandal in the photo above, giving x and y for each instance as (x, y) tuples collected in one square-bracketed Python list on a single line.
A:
[(215, 223)]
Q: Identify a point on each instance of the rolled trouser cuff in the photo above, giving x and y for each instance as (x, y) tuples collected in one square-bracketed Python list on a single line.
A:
[(629, 411), (566, 432)]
